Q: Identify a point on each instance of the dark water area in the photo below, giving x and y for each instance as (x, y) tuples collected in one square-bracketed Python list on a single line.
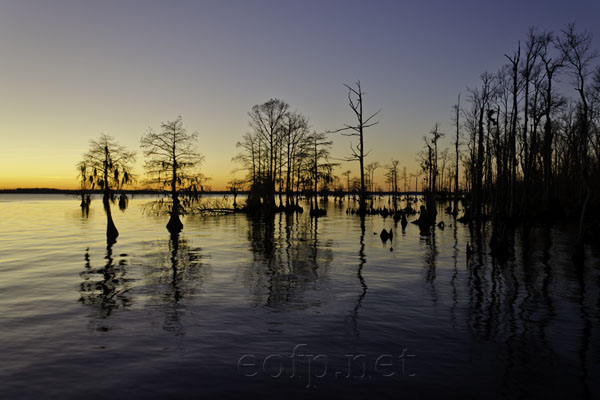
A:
[(296, 307)]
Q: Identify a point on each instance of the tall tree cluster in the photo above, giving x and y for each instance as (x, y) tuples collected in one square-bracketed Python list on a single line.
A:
[(534, 141), (281, 156)]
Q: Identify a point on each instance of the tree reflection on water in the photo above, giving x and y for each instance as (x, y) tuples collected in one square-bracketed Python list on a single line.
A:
[(287, 260), (172, 271), (359, 274), (105, 288), (513, 301)]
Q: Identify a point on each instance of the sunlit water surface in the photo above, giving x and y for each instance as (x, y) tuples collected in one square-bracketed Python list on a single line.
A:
[(296, 307)]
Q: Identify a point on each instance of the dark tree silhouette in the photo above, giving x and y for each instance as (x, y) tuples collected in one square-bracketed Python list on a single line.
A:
[(429, 165), (392, 179), (577, 52), (481, 99), (267, 122), (534, 153), (295, 143), (108, 164), (457, 154), (355, 101), (234, 186), (320, 166), (275, 155), (347, 174), (552, 65), (173, 162), (370, 169), (529, 74), (86, 184)]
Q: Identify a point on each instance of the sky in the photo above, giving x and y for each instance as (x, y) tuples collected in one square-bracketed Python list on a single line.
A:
[(71, 70)]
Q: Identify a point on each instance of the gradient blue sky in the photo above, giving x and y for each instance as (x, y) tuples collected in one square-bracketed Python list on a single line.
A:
[(73, 69)]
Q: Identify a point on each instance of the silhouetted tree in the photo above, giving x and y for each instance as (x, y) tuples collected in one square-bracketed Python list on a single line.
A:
[(512, 144), (529, 144), (295, 141), (457, 154), (262, 150), (173, 162), (355, 101), (392, 178), (320, 166), (432, 169), (234, 186), (577, 52), (86, 184), (275, 155), (370, 169), (552, 64), (249, 158), (443, 158), (347, 174), (530, 73), (109, 166), (267, 122), (481, 98)]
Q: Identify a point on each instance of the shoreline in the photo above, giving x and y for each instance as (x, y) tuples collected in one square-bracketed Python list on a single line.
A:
[(159, 192)]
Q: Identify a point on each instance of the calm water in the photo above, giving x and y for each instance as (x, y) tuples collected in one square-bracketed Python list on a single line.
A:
[(296, 307)]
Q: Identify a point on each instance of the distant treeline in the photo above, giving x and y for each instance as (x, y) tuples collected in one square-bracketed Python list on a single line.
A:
[(77, 192)]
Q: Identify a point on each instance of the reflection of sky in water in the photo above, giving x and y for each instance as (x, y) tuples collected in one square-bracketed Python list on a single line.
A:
[(150, 315)]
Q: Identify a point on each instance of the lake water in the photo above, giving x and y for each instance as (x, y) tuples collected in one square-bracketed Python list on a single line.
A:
[(294, 308)]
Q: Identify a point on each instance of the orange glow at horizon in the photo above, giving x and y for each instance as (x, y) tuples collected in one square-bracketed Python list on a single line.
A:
[(60, 176), (53, 165)]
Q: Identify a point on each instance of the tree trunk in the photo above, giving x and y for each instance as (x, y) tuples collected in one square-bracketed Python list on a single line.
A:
[(174, 225), (476, 207), (111, 230), (455, 207)]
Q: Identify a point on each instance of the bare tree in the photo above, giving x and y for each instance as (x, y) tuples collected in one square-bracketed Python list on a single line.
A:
[(234, 186), (529, 72), (551, 66), (481, 99), (444, 156), (266, 146), (457, 154), (370, 170), (577, 52), (320, 166), (538, 146), (355, 101), (432, 168), (392, 177), (295, 135), (347, 175), (173, 161), (267, 121), (108, 165), (512, 147), (249, 158)]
